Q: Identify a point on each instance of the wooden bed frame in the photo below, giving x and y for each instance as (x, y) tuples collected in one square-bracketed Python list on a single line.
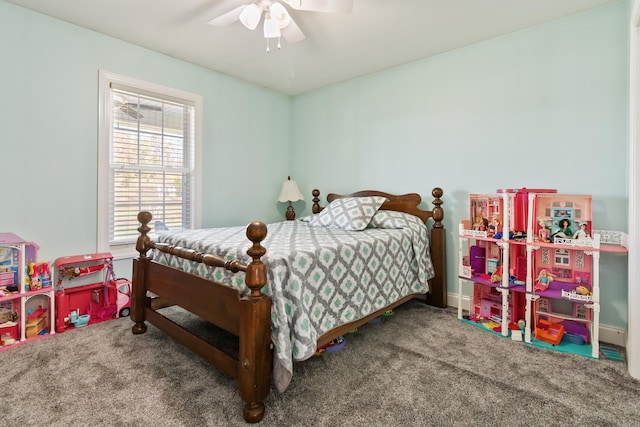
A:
[(249, 317)]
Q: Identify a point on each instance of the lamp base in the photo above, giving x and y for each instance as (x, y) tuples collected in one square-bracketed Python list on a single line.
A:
[(290, 214)]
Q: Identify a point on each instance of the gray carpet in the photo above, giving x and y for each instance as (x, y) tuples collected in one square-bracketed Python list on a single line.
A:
[(419, 367)]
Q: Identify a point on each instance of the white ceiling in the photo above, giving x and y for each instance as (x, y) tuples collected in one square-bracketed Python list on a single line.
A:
[(376, 35)]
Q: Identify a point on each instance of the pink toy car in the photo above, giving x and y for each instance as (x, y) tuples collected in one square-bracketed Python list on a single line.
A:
[(123, 301)]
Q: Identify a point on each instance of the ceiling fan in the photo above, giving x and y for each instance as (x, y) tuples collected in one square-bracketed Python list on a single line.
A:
[(132, 107), (277, 20)]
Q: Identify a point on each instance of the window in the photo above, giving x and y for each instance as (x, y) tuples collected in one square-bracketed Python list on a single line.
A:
[(148, 149), (562, 257)]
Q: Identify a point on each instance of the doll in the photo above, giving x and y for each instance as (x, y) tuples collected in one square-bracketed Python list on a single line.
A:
[(543, 281), (581, 233), (480, 224), (496, 226), (543, 232), (564, 229)]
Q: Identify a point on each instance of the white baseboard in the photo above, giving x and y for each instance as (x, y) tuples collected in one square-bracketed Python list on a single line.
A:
[(608, 334)]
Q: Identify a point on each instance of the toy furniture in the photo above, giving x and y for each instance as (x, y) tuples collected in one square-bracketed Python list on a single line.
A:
[(547, 270), (36, 322), (549, 332), (26, 295)]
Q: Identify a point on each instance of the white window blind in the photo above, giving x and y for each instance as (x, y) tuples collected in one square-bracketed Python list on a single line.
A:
[(152, 162), (148, 160)]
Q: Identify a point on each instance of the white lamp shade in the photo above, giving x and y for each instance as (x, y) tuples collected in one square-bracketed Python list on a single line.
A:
[(250, 16), (271, 29), (280, 15), (290, 192)]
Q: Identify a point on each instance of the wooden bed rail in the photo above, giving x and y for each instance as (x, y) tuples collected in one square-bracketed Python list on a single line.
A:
[(144, 244), (256, 232)]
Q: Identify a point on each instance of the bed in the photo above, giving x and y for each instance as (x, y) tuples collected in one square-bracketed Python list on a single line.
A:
[(288, 288)]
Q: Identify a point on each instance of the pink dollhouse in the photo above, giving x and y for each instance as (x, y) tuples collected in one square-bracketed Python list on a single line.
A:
[(540, 275), (26, 292)]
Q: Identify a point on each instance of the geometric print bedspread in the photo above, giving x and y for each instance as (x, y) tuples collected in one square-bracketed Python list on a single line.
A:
[(318, 278)]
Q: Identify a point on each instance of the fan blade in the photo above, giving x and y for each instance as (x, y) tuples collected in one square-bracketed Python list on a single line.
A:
[(332, 6), (292, 33), (227, 18)]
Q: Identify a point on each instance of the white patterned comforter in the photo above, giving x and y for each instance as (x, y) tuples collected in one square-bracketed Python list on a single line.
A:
[(318, 278)]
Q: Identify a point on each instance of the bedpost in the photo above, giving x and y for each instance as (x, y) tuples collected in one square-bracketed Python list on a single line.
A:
[(255, 331), (139, 276), (315, 208), (438, 290)]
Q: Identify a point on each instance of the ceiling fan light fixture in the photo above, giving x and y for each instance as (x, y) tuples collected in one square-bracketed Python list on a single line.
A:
[(271, 28), (250, 16), (279, 14)]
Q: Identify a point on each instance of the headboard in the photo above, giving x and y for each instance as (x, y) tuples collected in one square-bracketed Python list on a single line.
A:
[(403, 203), (408, 203)]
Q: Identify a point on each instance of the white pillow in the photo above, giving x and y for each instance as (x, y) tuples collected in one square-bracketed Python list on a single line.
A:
[(348, 213)]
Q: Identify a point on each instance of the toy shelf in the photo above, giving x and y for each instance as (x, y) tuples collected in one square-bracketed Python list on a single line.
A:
[(590, 245)]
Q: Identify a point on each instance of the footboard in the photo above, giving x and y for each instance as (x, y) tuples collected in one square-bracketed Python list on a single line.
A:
[(249, 317)]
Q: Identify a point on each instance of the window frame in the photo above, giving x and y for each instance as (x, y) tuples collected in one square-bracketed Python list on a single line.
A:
[(106, 78)]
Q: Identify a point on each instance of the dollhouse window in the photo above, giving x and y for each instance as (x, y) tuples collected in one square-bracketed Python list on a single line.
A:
[(580, 260), (149, 140), (543, 305), (580, 311), (562, 257), (495, 251), (546, 256)]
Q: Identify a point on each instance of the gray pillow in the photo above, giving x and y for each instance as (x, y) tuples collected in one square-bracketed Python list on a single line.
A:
[(348, 213)]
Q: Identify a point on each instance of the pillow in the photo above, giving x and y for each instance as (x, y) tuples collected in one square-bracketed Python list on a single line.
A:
[(305, 218), (390, 219), (348, 213)]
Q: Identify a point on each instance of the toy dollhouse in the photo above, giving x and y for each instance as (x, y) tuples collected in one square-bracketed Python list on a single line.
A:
[(26, 295), (537, 270)]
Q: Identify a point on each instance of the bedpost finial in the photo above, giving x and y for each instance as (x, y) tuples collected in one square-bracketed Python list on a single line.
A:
[(256, 275), (437, 192), (256, 231), (144, 218), (315, 208), (438, 212)]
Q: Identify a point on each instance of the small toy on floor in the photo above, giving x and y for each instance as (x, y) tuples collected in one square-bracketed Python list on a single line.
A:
[(333, 346)]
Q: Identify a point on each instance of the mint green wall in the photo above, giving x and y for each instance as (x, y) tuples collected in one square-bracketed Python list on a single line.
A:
[(546, 107), (49, 139)]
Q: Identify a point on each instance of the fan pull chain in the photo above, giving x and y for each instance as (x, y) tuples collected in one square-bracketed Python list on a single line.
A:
[(279, 45)]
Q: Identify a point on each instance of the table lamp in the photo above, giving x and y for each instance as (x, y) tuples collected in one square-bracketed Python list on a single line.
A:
[(290, 193)]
